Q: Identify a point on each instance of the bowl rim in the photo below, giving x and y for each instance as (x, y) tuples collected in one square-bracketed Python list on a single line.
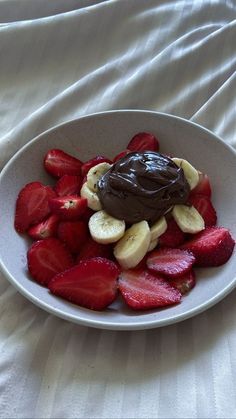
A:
[(104, 324)]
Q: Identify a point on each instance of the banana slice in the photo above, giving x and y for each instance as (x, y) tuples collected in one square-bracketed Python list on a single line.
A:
[(188, 219), (92, 198), (104, 228), (95, 173), (133, 246), (152, 245), (191, 174), (158, 228)]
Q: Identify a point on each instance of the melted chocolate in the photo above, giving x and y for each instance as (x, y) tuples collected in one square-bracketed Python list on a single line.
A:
[(142, 186)]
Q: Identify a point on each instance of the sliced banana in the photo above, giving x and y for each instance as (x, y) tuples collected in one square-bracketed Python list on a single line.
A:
[(191, 174), (92, 198), (104, 228), (95, 173), (158, 228), (188, 219), (133, 246), (152, 245)]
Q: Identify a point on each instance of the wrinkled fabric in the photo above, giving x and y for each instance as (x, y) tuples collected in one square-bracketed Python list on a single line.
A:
[(63, 59)]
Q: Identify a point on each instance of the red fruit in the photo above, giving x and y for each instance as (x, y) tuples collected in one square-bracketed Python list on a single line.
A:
[(87, 214), (120, 155), (170, 262), (142, 290), (93, 162), (173, 236), (68, 207), (184, 283), (32, 205), (91, 284), (203, 187), (143, 141), (46, 258), (73, 233), (211, 247), (58, 163), (205, 208), (93, 249), (47, 228), (68, 185)]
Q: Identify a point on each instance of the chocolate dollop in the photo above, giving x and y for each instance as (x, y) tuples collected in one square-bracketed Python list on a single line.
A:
[(142, 186)]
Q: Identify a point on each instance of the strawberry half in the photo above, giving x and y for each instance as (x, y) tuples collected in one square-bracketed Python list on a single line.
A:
[(46, 258), (203, 187), (93, 249), (173, 236), (73, 233), (68, 207), (93, 162), (142, 290), (204, 206), (58, 163), (185, 282), (32, 205), (211, 247), (91, 284), (68, 185), (143, 141), (170, 262), (47, 228)]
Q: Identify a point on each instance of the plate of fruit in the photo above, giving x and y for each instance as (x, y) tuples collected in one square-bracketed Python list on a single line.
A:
[(121, 220)]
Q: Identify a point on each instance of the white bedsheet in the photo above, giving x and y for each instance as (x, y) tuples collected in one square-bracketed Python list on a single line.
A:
[(62, 59)]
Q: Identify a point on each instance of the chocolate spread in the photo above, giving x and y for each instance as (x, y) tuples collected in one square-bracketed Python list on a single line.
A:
[(142, 186)]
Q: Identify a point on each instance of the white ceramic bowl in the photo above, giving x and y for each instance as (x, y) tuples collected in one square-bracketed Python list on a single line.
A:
[(108, 133)]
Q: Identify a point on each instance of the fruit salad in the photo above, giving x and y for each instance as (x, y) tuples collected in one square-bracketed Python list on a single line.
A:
[(137, 225)]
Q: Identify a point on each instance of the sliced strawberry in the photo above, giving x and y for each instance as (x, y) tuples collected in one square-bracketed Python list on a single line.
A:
[(73, 233), (59, 163), (93, 249), (211, 247), (68, 185), (47, 228), (170, 262), (173, 236), (184, 283), (46, 258), (143, 141), (68, 207), (120, 155), (204, 206), (87, 214), (32, 205), (142, 290), (203, 187), (91, 284), (93, 162)]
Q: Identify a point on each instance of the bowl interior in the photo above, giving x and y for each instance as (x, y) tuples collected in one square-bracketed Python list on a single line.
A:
[(108, 134)]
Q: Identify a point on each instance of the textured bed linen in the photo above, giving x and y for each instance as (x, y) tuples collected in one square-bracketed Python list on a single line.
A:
[(62, 59)]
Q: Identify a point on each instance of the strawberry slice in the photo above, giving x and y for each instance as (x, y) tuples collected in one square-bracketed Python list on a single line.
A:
[(93, 162), (170, 262), (184, 283), (204, 206), (32, 205), (173, 236), (47, 228), (58, 163), (46, 258), (142, 290), (68, 185), (143, 141), (211, 247), (203, 187), (120, 155), (93, 249), (68, 207), (91, 284), (87, 214), (73, 233)]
